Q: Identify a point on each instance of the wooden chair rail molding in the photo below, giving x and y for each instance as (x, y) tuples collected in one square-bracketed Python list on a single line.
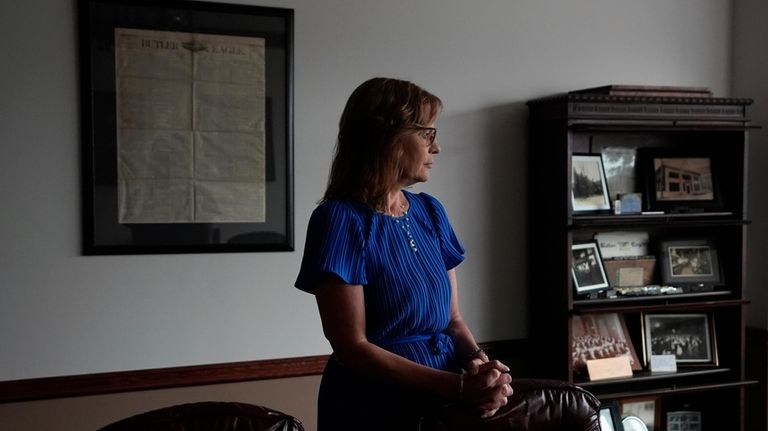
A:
[(197, 375), (126, 381)]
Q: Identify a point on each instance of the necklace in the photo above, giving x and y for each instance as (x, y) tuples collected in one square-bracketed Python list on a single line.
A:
[(405, 223)]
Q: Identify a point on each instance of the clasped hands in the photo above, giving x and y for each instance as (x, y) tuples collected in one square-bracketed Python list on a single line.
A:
[(487, 385)]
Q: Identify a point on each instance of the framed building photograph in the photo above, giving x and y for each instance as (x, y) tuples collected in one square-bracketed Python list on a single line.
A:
[(686, 262), (589, 189), (187, 120), (684, 420), (645, 408), (587, 268), (600, 336), (688, 336), (679, 182)]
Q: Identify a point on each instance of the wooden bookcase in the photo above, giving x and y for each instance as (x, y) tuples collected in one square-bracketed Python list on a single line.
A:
[(642, 121)]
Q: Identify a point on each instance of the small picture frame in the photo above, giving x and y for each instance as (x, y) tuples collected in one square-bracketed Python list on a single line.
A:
[(599, 336), (587, 268), (610, 420), (688, 336), (645, 408), (684, 420), (679, 182), (689, 262), (589, 189)]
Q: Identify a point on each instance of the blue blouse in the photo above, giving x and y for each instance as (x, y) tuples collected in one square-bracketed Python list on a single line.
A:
[(406, 287)]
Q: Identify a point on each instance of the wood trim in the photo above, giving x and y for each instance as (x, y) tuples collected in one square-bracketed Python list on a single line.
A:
[(159, 378), (198, 375), (756, 367)]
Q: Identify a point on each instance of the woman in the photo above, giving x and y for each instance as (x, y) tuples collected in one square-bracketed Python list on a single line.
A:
[(380, 261)]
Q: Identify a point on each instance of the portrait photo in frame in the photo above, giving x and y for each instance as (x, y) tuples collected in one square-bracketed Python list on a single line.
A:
[(689, 262), (677, 181), (187, 120), (600, 336), (688, 336), (587, 268), (589, 188)]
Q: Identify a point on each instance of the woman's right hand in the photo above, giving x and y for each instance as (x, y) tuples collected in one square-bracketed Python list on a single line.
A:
[(487, 386)]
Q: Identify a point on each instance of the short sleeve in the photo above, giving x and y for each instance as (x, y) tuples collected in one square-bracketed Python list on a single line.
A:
[(335, 246), (451, 249)]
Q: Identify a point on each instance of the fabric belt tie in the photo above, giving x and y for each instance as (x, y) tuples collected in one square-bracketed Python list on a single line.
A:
[(438, 342)]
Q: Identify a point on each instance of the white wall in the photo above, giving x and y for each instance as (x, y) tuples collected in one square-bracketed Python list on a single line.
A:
[(62, 313), (750, 69)]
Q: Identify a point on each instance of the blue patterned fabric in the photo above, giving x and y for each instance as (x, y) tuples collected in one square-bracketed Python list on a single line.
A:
[(407, 292)]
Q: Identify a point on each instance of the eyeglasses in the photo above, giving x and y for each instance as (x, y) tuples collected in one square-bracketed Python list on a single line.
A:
[(427, 133)]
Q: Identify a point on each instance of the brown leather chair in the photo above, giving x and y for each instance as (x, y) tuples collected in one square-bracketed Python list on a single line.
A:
[(536, 405), (209, 416)]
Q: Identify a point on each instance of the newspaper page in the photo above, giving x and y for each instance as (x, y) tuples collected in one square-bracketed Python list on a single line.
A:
[(190, 127)]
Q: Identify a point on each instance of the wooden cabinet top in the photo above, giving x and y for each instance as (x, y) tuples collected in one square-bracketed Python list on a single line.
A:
[(640, 106)]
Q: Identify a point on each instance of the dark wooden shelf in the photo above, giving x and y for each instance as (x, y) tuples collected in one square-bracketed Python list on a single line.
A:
[(658, 303), (654, 126), (646, 376), (688, 219), (677, 390)]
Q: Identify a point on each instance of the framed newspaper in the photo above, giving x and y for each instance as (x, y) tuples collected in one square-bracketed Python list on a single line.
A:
[(187, 126)]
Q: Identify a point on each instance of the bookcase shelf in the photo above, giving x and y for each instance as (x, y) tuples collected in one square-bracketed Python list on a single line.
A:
[(712, 128)]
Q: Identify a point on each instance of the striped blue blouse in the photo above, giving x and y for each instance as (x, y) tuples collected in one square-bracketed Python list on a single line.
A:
[(406, 286)]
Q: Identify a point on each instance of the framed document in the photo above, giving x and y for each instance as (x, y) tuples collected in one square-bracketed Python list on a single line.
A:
[(187, 122)]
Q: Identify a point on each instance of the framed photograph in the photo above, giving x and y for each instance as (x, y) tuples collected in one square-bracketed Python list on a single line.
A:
[(599, 336), (645, 408), (587, 268), (688, 336), (686, 262), (610, 420), (619, 163), (187, 120), (679, 182), (684, 421), (589, 189)]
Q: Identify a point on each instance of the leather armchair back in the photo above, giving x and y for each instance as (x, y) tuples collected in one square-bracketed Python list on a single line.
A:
[(536, 405), (209, 416)]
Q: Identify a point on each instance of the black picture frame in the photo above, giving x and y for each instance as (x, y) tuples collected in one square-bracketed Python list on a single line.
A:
[(688, 262), (680, 181), (610, 418), (589, 187), (239, 203), (689, 336), (587, 268)]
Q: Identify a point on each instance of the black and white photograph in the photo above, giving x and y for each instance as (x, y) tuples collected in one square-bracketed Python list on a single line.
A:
[(619, 164), (590, 189), (690, 262), (684, 421), (678, 181), (682, 179), (587, 267), (600, 336), (688, 336)]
